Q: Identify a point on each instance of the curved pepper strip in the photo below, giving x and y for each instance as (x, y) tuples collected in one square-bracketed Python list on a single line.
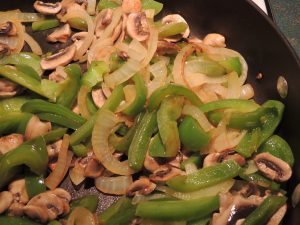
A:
[(78, 23), (86, 129), (205, 177), (44, 24), (29, 71), (89, 202), (141, 139), (172, 89), (12, 220), (260, 180), (12, 104), (167, 115), (34, 185), (33, 154), (55, 135), (249, 143), (14, 122), (265, 210), (157, 148), (140, 98), (71, 86), (173, 210), (54, 113), (151, 4)]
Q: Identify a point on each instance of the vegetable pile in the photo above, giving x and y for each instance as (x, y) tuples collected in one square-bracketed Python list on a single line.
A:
[(162, 119)]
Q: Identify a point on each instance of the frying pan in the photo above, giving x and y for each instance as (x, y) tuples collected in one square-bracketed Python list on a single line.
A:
[(247, 30)]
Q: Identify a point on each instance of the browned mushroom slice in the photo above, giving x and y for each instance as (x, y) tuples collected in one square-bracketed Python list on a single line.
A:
[(218, 157), (165, 47), (175, 18), (78, 39), (47, 8), (103, 19), (4, 50), (278, 216), (194, 40), (6, 198), (8, 29), (273, 167), (150, 163), (142, 186), (8, 88), (60, 34), (165, 173), (36, 128), (20, 197), (131, 6), (93, 168), (53, 150), (61, 58), (10, 142), (137, 26), (246, 189)]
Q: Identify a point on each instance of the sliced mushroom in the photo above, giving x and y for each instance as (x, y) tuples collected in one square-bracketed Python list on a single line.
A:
[(10, 142), (20, 197), (246, 189), (137, 26), (165, 173), (61, 58), (35, 128), (93, 168), (150, 163), (6, 198), (215, 40), (58, 75), (273, 167), (131, 6), (278, 216), (8, 29), (78, 39), (61, 34), (218, 157), (194, 40), (47, 8), (175, 18), (234, 208), (98, 97), (103, 19), (4, 50), (53, 150), (48, 205), (142, 186), (165, 47), (8, 88)]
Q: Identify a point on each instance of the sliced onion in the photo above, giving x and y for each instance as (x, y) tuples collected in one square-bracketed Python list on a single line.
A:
[(160, 72), (101, 49), (198, 115), (247, 92), (198, 79), (130, 94), (35, 47), (204, 192), (136, 50), (91, 7), (114, 23), (77, 175), (252, 168), (82, 14), (63, 163), (228, 139), (82, 102), (296, 196), (234, 86), (143, 198), (29, 17), (113, 185), (152, 46), (105, 123), (81, 215), (150, 13)]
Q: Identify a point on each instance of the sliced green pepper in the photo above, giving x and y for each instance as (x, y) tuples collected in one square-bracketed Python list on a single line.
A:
[(54, 222), (44, 24), (178, 209), (141, 139), (232, 64), (33, 154), (157, 148), (12, 104), (171, 29), (80, 150), (196, 159), (151, 4), (278, 147), (28, 70), (78, 23), (140, 99), (94, 75), (264, 211), (205, 177), (107, 4), (249, 143), (207, 67), (55, 135), (192, 136), (202, 221), (13, 220), (89, 202), (121, 213), (34, 185), (167, 115), (14, 122), (54, 113), (172, 89), (260, 180)]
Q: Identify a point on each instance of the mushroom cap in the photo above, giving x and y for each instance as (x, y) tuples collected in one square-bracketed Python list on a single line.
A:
[(60, 34), (150, 163), (98, 97), (165, 173), (18, 190), (165, 47), (10, 142), (142, 186), (137, 26), (218, 157), (8, 29), (6, 198), (36, 128), (215, 40), (47, 8), (8, 88), (175, 18)]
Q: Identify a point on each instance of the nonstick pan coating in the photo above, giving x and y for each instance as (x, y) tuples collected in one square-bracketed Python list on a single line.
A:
[(248, 31)]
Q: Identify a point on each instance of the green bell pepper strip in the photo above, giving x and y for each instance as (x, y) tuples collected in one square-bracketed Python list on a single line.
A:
[(80, 150), (237, 104), (249, 143), (232, 64), (260, 180), (278, 147), (141, 139), (44, 24), (151, 4), (172, 89), (107, 4), (121, 212), (196, 159), (202, 221), (265, 210), (167, 115), (92, 108), (191, 134), (33, 154), (78, 23), (115, 61), (157, 148), (14, 122), (24, 58), (27, 81), (94, 75), (207, 67), (89, 202), (12, 104), (55, 135), (34, 185), (140, 99), (71, 86), (124, 144), (86, 129), (12, 220), (28, 70), (245, 121), (205, 177), (178, 209), (171, 29), (54, 113)]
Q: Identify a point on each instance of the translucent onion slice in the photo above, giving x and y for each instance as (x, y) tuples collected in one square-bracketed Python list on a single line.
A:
[(247, 92), (62, 165), (81, 215), (82, 102), (91, 7), (115, 21), (198, 79), (130, 94), (296, 196), (29, 17), (34, 46), (205, 192), (99, 49), (152, 47), (143, 198), (136, 50), (105, 123), (228, 139), (198, 115), (234, 86), (160, 72), (77, 175), (113, 185), (252, 168)]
